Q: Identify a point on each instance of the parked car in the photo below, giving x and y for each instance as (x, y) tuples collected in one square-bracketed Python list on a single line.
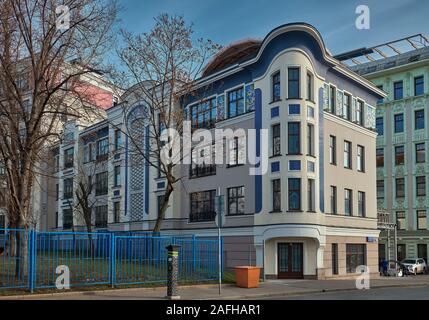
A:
[(415, 266)]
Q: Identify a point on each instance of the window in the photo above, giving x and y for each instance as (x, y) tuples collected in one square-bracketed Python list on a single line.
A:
[(399, 155), (361, 158), (101, 216), (361, 204), (86, 153), (355, 256), (294, 144), (67, 218), (276, 86), (117, 176), (400, 187), (380, 100), (334, 258), (102, 147), (309, 86), (399, 123), (205, 165), (204, 114), (400, 220), (277, 195), (275, 131), (348, 202), (310, 140), (310, 166), (379, 124), (359, 112), (332, 150), (68, 188), (421, 220), (294, 165), (347, 107), (420, 152), (68, 158), (380, 189), (202, 206), (401, 251), (310, 195), (332, 99), (235, 151), (293, 83), (294, 194), (310, 112), (235, 103), (57, 192), (347, 154), (419, 119), (418, 85), (236, 200), (380, 157), (56, 219), (333, 199), (118, 139), (116, 212), (421, 186), (101, 187), (398, 92)]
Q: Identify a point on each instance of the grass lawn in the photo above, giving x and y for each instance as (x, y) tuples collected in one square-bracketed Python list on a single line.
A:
[(94, 273)]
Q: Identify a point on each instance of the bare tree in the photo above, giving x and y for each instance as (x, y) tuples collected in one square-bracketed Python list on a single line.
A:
[(44, 61), (162, 65)]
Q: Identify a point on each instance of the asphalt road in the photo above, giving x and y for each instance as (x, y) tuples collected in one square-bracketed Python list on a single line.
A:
[(416, 293)]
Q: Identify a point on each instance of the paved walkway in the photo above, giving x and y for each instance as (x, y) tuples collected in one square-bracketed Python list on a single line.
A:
[(270, 288)]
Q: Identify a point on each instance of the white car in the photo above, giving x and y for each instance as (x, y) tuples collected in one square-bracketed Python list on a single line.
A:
[(415, 266)]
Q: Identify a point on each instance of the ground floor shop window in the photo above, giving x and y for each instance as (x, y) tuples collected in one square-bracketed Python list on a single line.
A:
[(355, 256)]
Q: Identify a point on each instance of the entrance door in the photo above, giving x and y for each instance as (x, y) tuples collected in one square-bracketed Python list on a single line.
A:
[(422, 252), (290, 261)]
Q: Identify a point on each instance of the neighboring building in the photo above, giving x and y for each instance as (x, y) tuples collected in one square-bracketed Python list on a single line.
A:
[(96, 95), (401, 69), (312, 215)]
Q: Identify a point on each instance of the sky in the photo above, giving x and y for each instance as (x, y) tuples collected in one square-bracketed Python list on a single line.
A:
[(226, 21)]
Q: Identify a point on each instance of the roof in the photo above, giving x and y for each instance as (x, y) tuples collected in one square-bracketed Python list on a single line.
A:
[(387, 55), (236, 52)]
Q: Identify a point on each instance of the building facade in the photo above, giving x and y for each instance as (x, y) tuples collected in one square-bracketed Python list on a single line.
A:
[(402, 142), (303, 206)]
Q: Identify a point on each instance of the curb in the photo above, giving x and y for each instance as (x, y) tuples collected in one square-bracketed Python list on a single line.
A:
[(203, 286), (94, 292), (283, 294)]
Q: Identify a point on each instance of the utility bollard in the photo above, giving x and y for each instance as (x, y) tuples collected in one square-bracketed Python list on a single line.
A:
[(172, 271)]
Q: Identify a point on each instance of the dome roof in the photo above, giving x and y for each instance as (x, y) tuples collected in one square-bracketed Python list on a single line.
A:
[(232, 54)]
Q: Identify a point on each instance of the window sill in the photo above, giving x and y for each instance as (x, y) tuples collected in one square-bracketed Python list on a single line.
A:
[(275, 101), (275, 156), (294, 154), (311, 156), (292, 211), (297, 98), (228, 166), (311, 211), (276, 211), (310, 100)]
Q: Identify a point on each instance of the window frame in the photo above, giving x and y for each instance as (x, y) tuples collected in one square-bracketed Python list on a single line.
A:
[(276, 139), (276, 83), (420, 182), (348, 154), (417, 152), (396, 123), (291, 134), (360, 154), (291, 81), (396, 96), (348, 202), (236, 100), (291, 191), (276, 188), (235, 199)]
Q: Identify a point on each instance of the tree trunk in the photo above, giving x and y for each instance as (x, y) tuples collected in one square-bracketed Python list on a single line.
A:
[(161, 214)]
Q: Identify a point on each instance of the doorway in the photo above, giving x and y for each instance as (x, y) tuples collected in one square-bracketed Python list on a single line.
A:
[(290, 260)]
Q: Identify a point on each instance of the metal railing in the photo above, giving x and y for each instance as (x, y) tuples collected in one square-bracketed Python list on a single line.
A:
[(35, 260)]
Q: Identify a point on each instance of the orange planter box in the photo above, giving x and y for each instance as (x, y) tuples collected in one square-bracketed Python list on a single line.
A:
[(247, 276)]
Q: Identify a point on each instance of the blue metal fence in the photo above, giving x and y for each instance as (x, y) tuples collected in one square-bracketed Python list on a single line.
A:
[(101, 258)]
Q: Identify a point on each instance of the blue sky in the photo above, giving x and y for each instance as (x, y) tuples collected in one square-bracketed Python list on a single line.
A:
[(225, 21)]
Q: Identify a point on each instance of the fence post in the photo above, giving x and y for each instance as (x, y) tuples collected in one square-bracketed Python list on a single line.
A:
[(31, 260), (112, 259), (194, 256)]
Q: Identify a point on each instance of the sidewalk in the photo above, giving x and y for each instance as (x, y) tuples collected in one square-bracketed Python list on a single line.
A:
[(270, 288)]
